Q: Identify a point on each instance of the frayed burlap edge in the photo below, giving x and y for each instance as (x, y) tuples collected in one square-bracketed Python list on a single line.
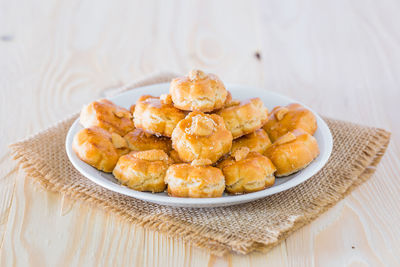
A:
[(201, 236), (362, 170)]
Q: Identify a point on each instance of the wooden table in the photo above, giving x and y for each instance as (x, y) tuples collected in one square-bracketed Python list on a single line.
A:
[(340, 57)]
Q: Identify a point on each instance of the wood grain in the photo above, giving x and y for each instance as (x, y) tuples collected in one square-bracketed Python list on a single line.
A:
[(340, 57)]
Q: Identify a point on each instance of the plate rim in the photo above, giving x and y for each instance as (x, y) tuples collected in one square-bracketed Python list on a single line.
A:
[(202, 202)]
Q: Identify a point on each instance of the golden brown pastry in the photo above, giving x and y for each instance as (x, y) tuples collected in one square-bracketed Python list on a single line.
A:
[(244, 118), (247, 172), (230, 102), (105, 114), (143, 170), (198, 91), (175, 156), (120, 144), (286, 119), (156, 116), (292, 152), (132, 109), (257, 141), (139, 140), (201, 136), (196, 180), (94, 146)]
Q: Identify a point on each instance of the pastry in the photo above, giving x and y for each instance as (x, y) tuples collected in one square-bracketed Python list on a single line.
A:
[(95, 147), (197, 139), (201, 136), (244, 118), (247, 172), (143, 170), (120, 144), (292, 152), (286, 119), (230, 102), (132, 109), (156, 116), (257, 141), (175, 156), (105, 114), (198, 91), (139, 140), (195, 180)]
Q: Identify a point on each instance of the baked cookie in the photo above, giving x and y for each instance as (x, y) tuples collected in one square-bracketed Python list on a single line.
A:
[(139, 140), (286, 119), (196, 180), (198, 91), (156, 116), (95, 147), (257, 141), (247, 172), (143, 170), (105, 114), (244, 118), (201, 136), (292, 152)]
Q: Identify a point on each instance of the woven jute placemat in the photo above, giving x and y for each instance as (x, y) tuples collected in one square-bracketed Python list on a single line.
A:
[(244, 228)]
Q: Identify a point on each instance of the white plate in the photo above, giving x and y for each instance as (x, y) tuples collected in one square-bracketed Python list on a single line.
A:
[(270, 99)]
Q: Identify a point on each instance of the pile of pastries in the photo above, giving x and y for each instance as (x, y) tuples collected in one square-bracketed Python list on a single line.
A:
[(196, 141)]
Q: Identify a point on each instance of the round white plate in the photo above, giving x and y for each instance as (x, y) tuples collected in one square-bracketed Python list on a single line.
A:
[(270, 99)]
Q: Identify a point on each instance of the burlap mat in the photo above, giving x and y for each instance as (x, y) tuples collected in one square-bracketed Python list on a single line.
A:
[(258, 225)]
